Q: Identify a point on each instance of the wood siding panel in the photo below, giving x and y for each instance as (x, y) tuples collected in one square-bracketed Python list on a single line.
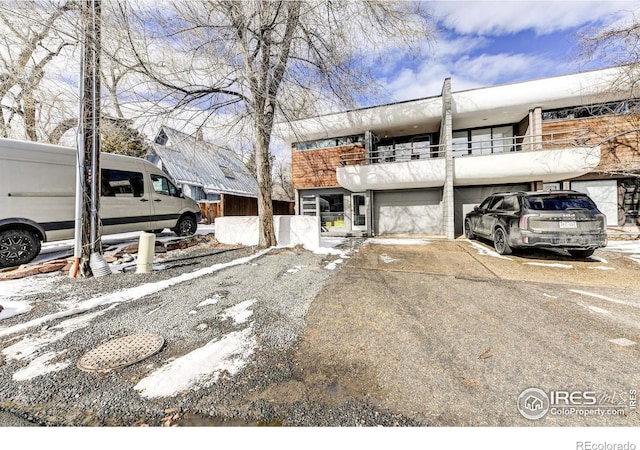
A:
[(317, 168), (236, 205), (620, 144)]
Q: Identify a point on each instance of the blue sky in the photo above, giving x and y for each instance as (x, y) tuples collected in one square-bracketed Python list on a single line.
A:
[(484, 43)]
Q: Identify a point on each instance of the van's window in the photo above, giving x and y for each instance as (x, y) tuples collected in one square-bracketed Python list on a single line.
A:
[(162, 185), (121, 183)]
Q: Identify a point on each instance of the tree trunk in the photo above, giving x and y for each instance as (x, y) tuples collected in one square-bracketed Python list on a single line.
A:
[(267, 237)]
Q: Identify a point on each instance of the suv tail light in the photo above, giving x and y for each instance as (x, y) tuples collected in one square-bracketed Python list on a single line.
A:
[(603, 218), (524, 220)]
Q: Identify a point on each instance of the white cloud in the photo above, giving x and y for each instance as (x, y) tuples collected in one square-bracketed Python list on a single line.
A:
[(498, 17), (468, 72)]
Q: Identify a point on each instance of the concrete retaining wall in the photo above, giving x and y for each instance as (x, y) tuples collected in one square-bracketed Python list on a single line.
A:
[(289, 230)]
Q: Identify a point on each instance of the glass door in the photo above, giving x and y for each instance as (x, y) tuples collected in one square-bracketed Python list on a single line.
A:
[(359, 204)]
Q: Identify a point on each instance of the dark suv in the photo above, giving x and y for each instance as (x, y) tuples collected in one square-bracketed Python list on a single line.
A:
[(548, 219)]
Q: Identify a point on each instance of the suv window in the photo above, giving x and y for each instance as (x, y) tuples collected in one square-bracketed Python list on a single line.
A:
[(559, 202), (510, 203), (485, 203), (496, 203)]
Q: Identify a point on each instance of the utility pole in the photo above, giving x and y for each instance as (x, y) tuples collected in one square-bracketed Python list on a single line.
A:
[(88, 246)]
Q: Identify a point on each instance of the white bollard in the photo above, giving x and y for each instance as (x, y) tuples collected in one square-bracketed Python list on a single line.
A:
[(146, 250)]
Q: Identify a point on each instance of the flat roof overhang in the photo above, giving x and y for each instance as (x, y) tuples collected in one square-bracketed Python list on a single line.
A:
[(499, 168), (495, 105)]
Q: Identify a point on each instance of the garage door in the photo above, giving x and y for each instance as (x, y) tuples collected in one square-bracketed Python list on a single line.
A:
[(408, 212), (465, 198)]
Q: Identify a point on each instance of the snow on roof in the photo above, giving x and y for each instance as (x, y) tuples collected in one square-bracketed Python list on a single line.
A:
[(193, 161)]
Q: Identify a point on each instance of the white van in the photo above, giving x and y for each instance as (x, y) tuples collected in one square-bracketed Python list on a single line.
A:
[(37, 198)]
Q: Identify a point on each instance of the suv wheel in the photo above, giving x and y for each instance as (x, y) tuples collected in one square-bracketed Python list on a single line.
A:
[(581, 253), (467, 230), (501, 242)]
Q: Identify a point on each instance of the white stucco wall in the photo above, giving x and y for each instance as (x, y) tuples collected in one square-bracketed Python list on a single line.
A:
[(289, 230), (499, 168)]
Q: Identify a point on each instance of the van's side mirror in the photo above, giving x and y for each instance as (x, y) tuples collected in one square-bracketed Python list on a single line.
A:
[(476, 208)]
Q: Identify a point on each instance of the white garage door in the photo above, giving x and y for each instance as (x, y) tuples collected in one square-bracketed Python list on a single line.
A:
[(605, 195), (408, 212)]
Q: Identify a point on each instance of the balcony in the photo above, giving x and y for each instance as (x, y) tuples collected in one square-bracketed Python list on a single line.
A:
[(517, 159)]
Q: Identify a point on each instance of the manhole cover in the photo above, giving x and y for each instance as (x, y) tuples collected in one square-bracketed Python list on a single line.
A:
[(121, 352)]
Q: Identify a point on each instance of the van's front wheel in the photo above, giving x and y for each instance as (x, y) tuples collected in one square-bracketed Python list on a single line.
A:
[(18, 247), (186, 226)]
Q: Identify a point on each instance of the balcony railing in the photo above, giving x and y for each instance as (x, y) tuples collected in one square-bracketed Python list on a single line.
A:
[(477, 147)]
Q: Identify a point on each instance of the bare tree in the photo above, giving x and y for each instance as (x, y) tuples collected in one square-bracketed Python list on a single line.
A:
[(616, 45), (34, 34), (262, 59), (282, 182)]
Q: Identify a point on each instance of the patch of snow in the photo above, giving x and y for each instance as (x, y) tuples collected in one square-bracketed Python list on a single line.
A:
[(25, 286), (332, 265), (555, 265), (295, 269), (387, 259), (630, 248), (599, 259), (40, 366), (328, 246), (210, 301), (485, 251), (125, 295), (602, 268), (604, 297), (201, 367), (623, 342), (596, 309), (397, 241), (550, 296), (12, 308), (239, 313), (31, 344)]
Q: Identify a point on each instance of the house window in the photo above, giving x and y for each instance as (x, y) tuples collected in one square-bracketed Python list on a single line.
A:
[(483, 141), (595, 110), (330, 143), (331, 211), (404, 148), (460, 143)]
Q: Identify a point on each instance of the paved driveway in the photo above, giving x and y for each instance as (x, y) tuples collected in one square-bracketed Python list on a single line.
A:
[(450, 334)]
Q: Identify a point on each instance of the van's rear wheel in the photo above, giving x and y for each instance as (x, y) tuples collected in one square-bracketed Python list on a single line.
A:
[(186, 226), (18, 247)]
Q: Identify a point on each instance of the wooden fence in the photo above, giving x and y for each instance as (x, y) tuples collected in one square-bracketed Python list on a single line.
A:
[(235, 205)]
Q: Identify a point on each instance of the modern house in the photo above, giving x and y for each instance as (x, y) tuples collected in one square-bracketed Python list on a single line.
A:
[(417, 167)]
